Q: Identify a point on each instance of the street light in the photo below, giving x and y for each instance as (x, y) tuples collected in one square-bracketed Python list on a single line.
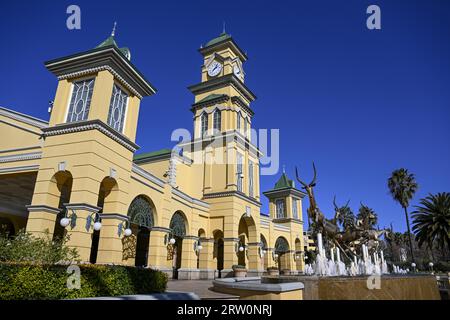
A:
[(413, 266)]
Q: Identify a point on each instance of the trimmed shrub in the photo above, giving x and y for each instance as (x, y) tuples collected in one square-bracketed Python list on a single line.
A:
[(32, 281), (26, 248)]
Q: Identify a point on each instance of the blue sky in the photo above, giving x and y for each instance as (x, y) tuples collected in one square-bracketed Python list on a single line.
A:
[(359, 103)]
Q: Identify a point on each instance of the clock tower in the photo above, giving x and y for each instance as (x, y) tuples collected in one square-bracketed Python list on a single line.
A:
[(222, 149)]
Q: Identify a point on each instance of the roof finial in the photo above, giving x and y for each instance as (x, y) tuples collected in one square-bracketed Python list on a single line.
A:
[(284, 169), (113, 32), (223, 30)]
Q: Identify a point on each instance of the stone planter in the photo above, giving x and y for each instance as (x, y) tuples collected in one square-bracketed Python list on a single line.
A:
[(273, 272), (286, 272), (240, 273)]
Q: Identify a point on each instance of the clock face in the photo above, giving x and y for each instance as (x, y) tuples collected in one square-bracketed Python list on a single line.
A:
[(237, 70), (214, 68)]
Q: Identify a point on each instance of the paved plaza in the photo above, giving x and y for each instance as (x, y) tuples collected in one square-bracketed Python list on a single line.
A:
[(201, 288)]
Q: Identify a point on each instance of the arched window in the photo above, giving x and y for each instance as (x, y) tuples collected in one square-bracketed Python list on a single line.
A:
[(140, 212), (281, 245), (250, 179), (178, 225), (238, 125), (204, 124), (217, 123), (246, 127)]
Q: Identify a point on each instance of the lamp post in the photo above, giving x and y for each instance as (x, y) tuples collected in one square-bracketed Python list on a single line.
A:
[(413, 266), (431, 267)]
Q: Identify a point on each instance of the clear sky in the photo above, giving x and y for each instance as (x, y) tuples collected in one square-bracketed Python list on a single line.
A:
[(359, 103)]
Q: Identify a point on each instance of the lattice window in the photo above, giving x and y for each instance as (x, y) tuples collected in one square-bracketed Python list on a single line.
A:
[(246, 127), (178, 225), (204, 124), (238, 125), (117, 108), (281, 212), (239, 172), (250, 179), (140, 212), (217, 123), (281, 245), (294, 208), (80, 102)]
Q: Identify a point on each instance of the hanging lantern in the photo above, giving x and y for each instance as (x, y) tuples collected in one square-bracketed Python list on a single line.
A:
[(127, 232), (97, 226), (64, 222)]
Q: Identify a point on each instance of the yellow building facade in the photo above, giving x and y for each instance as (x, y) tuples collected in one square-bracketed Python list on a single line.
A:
[(193, 211)]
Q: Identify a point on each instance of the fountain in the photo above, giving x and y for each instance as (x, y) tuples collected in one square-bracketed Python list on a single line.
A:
[(334, 266)]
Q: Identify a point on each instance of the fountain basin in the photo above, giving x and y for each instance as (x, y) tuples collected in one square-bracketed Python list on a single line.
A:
[(391, 287), (252, 288)]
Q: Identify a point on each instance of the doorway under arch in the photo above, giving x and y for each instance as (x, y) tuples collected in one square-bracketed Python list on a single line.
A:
[(141, 219), (264, 253), (282, 250), (63, 180), (218, 252), (178, 230)]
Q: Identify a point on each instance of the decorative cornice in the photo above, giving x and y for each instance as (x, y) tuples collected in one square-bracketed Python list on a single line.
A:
[(281, 228), (212, 102), (103, 58), (21, 149), (238, 101), (96, 124), (82, 206), (231, 239), (162, 229), (117, 216), (33, 167), (231, 194), (191, 237), (221, 82), (284, 192), (284, 220), (147, 175), (38, 123), (231, 135), (43, 208), (190, 199), (21, 157), (89, 71)]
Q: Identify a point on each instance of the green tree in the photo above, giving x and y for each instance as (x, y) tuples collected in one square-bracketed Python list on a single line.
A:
[(431, 221), (402, 186)]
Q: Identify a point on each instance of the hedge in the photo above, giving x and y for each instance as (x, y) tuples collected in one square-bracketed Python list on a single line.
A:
[(32, 281)]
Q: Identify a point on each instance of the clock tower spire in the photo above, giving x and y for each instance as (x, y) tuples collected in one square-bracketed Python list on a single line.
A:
[(222, 100)]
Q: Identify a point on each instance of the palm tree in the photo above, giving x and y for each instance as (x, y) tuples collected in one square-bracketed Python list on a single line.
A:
[(368, 217), (402, 186), (432, 221), (346, 218)]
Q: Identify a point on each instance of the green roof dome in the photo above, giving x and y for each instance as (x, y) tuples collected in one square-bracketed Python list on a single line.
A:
[(222, 37), (284, 182), (110, 41)]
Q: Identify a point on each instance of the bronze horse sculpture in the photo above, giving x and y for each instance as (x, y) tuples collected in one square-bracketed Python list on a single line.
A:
[(357, 233)]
